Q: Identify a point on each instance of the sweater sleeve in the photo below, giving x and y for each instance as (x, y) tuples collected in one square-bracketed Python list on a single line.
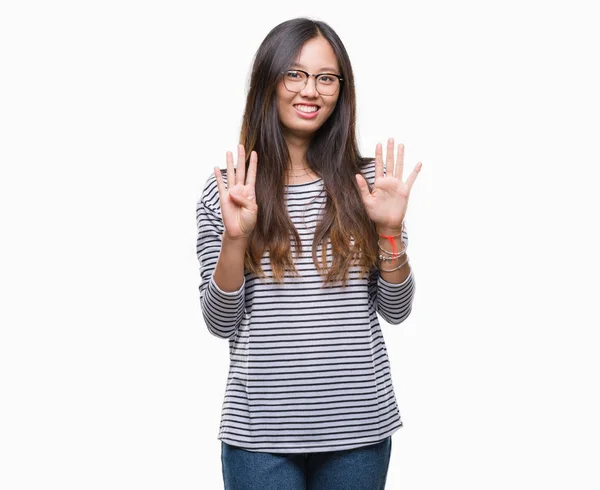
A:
[(392, 301), (222, 311)]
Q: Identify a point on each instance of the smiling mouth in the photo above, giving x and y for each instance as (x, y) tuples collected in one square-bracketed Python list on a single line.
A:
[(308, 109)]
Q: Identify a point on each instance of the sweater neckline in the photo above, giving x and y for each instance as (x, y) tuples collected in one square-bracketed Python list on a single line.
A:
[(305, 184)]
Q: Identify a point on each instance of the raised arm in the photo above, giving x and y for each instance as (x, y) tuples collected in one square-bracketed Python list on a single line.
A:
[(391, 285), (225, 217)]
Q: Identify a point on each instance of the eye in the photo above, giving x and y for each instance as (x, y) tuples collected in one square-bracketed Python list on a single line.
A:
[(326, 79), (294, 75)]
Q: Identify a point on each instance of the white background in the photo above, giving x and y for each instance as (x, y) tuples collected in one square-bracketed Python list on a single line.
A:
[(112, 117)]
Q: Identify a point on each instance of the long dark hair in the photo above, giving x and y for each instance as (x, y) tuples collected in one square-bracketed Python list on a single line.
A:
[(333, 154)]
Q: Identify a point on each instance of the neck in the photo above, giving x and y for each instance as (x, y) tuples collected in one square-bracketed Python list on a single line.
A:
[(297, 148)]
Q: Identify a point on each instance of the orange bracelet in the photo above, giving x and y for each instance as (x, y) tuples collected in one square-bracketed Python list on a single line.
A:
[(391, 240)]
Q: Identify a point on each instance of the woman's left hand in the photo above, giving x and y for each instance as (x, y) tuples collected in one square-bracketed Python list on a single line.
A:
[(386, 205)]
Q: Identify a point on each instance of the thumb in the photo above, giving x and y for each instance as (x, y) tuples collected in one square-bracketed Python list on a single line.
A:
[(363, 187)]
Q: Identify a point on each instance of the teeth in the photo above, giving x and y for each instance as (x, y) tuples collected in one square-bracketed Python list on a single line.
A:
[(306, 108)]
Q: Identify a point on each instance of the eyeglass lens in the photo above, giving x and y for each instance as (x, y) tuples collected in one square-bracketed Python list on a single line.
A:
[(326, 84)]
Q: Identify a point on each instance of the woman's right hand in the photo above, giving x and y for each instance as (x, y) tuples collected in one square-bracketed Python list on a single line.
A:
[(238, 202)]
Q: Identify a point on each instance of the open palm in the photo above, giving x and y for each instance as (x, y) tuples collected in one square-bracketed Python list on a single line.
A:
[(386, 204), (238, 201)]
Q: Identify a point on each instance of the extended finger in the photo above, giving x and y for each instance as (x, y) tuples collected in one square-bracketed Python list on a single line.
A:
[(220, 184), (400, 162), (413, 176), (378, 161), (389, 158), (240, 170), (251, 180), (230, 171)]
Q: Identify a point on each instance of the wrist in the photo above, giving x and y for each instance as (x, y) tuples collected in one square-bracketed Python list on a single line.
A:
[(389, 231), (242, 240)]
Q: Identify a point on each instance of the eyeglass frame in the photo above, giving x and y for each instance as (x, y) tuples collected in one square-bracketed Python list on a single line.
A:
[(308, 75)]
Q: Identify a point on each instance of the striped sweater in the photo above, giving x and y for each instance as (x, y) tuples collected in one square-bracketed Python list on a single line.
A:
[(309, 370)]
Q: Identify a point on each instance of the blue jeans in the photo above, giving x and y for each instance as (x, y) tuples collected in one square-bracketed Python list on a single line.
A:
[(363, 468)]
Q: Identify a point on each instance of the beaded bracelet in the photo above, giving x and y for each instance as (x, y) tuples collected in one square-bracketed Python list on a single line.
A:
[(391, 257), (395, 268)]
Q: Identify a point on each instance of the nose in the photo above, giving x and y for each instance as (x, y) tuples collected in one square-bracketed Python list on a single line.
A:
[(310, 89)]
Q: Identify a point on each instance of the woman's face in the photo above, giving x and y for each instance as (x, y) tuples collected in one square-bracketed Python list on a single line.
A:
[(298, 120)]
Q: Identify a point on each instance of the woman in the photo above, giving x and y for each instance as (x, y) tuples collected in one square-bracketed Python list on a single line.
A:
[(300, 246)]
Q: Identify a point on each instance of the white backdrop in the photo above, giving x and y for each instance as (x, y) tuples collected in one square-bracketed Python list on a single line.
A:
[(112, 117)]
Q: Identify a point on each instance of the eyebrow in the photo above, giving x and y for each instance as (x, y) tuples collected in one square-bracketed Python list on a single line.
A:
[(324, 69)]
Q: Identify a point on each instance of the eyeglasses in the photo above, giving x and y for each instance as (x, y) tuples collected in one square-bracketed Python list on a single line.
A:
[(325, 83)]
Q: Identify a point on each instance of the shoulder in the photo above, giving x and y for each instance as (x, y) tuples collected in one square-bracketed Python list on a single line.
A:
[(210, 192), (367, 169)]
